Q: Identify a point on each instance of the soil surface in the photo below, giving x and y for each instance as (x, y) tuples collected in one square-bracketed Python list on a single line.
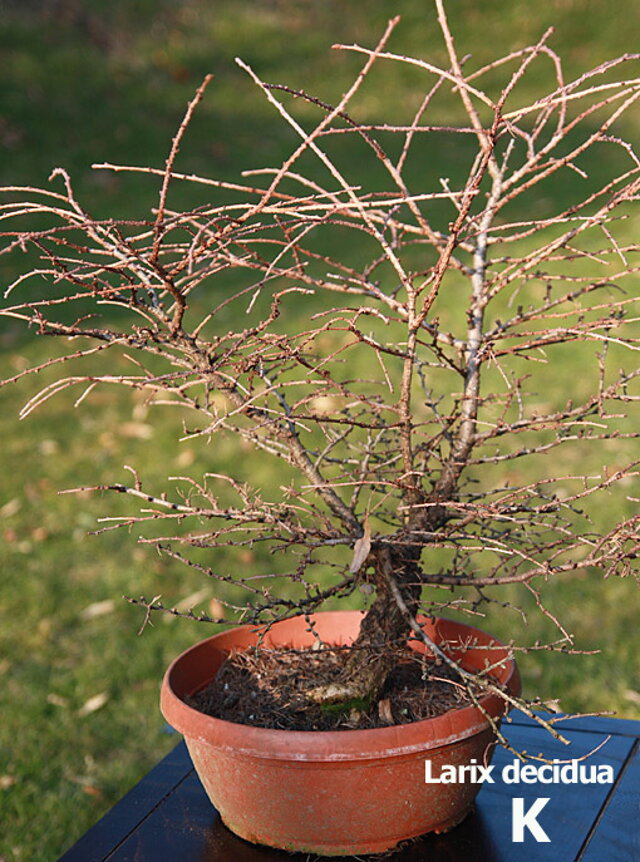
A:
[(267, 688)]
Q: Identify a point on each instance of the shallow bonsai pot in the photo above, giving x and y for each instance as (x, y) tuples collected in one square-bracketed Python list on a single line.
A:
[(341, 792)]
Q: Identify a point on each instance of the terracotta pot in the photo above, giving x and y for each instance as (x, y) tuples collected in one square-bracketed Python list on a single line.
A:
[(334, 792)]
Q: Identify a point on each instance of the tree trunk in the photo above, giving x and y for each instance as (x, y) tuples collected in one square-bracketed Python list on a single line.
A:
[(384, 630)]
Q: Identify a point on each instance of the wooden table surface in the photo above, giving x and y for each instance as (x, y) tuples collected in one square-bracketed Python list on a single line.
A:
[(168, 817)]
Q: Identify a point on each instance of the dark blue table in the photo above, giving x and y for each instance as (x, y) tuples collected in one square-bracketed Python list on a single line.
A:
[(168, 817)]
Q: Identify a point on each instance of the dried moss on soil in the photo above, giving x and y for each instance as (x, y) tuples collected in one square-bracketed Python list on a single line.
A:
[(267, 688)]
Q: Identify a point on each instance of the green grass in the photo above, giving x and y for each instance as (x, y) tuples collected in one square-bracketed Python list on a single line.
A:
[(95, 85)]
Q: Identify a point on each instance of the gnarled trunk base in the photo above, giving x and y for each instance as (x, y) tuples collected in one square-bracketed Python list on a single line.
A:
[(384, 631)]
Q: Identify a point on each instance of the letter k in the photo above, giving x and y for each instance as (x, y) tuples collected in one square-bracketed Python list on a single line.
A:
[(519, 819)]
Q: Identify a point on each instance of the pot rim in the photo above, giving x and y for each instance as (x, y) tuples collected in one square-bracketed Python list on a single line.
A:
[(329, 745)]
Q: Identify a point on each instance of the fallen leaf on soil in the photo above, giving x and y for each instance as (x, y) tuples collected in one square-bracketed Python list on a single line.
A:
[(216, 609), (354, 717), (18, 362), (97, 609), (48, 447), (45, 627), (384, 711), (10, 508), (189, 602), (185, 458), (136, 430), (94, 703)]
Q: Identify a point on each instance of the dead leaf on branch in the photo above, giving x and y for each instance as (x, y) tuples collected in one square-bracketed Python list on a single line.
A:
[(361, 549)]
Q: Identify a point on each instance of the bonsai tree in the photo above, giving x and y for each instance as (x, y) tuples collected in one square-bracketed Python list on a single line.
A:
[(402, 345)]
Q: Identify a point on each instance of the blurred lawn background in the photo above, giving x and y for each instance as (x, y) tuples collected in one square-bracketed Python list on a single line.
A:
[(83, 81)]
